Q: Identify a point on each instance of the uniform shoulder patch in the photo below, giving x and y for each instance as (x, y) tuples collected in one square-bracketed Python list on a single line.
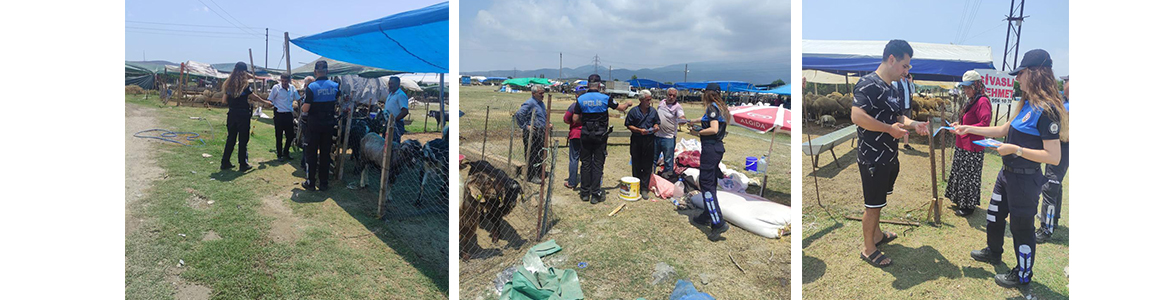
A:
[(712, 114), (1054, 128)]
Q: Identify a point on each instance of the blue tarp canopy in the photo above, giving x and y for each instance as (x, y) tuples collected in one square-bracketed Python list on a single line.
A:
[(647, 83), (934, 62), (780, 90), (494, 79), (414, 41), (726, 86)]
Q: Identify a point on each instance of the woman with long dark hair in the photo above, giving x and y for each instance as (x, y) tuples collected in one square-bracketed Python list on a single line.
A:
[(237, 94), (1033, 138), (712, 129), (967, 168)]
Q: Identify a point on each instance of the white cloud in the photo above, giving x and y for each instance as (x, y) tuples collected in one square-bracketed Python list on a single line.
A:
[(632, 34)]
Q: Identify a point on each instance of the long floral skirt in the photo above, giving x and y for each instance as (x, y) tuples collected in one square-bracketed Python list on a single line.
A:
[(966, 172)]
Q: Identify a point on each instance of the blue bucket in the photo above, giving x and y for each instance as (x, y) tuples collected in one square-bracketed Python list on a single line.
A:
[(750, 165)]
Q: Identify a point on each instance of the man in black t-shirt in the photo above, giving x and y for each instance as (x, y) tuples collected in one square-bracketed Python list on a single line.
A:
[(879, 119)]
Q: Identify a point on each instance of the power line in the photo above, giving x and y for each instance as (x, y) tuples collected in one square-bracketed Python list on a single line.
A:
[(191, 31), (178, 24), (225, 19), (230, 15), (191, 35)]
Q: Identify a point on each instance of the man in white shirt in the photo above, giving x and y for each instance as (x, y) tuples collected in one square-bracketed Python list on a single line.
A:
[(396, 107), (282, 97)]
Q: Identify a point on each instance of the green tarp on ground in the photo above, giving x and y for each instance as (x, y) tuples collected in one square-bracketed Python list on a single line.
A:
[(526, 81), (536, 281)]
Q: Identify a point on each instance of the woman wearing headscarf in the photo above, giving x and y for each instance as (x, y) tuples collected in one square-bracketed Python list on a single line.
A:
[(967, 168)]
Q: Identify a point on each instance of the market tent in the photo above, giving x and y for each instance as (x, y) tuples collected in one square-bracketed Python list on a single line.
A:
[(226, 68), (815, 76), (338, 68), (139, 76), (199, 69), (647, 83), (726, 86), (412, 41), (781, 90), (527, 81), (936, 62), (478, 78)]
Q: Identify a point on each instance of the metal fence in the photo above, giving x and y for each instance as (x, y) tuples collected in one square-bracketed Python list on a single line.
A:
[(501, 213)]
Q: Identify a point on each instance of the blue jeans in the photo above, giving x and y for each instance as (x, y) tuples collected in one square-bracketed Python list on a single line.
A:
[(665, 146), (574, 157), (399, 129)]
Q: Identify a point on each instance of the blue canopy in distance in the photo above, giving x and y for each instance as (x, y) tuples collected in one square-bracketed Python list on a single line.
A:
[(647, 83), (780, 90), (414, 41)]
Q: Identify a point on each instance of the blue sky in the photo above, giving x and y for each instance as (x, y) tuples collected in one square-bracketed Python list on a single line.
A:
[(939, 22), (153, 27)]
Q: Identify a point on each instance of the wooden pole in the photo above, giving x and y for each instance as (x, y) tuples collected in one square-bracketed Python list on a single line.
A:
[(933, 182), (442, 106), (511, 138), (386, 153), (910, 223), (427, 115), (344, 146), (483, 146)]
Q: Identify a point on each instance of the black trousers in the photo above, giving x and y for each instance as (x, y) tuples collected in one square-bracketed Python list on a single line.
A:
[(284, 129), (317, 155), (1053, 193), (534, 145), (642, 158), (592, 163), (1014, 198), (237, 130), (709, 175)]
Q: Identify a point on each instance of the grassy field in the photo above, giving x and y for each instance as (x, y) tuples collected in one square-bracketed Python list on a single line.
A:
[(621, 251), (259, 234), (929, 262)]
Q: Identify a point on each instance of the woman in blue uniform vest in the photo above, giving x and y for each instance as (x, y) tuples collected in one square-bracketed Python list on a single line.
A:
[(713, 128), (236, 94), (1033, 137)]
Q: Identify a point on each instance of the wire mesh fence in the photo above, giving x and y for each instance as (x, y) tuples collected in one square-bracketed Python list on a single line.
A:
[(503, 204)]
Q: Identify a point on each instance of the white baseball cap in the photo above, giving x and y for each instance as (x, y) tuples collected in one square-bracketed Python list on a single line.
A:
[(970, 77)]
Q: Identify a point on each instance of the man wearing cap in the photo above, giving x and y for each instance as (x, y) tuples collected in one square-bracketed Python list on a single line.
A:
[(397, 108), (533, 119), (320, 101), (1052, 190), (642, 121), (592, 112), (878, 116), (282, 97)]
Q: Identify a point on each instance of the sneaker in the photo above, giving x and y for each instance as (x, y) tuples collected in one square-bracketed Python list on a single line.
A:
[(308, 185), (1011, 279), (716, 233), (585, 196), (907, 147), (985, 255), (596, 198), (1042, 236), (245, 167), (702, 219), (963, 212), (323, 187), (225, 167)]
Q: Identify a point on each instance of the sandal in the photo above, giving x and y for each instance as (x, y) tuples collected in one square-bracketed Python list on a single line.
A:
[(876, 258), (886, 238)]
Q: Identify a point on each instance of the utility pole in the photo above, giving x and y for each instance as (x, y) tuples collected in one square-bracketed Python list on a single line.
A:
[(560, 66), (266, 48), (1015, 19), (686, 69), (610, 72), (596, 61)]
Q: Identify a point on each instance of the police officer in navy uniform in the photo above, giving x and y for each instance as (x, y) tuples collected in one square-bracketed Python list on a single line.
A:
[(711, 129), (1033, 137), (320, 102), (1052, 192), (238, 95), (593, 112)]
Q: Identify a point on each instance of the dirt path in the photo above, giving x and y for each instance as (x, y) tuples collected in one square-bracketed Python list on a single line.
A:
[(141, 167), (142, 171)]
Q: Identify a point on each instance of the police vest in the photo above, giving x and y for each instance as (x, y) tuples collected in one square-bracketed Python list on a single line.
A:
[(324, 99), (594, 108)]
